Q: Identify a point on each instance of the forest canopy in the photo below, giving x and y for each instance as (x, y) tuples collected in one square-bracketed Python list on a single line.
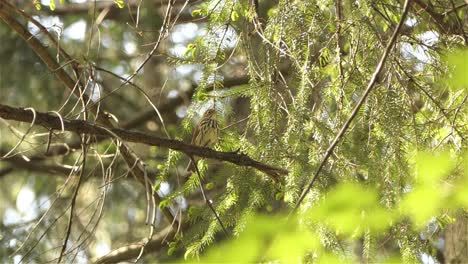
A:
[(237, 131)]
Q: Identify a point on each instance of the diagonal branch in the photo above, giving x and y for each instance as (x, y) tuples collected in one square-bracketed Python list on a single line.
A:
[(208, 201), (79, 126), (358, 106)]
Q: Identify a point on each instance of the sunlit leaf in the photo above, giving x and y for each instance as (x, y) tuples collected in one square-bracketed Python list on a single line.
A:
[(37, 4), (190, 51), (457, 62), (119, 3), (234, 16), (196, 12), (52, 5)]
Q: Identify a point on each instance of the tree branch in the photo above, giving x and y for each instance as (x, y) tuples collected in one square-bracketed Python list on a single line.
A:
[(112, 11), (79, 126), (129, 156), (80, 8), (358, 106), (33, 165), (440, 20), (132, 250)]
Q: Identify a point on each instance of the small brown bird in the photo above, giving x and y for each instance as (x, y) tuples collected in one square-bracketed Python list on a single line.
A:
[(205, 133)]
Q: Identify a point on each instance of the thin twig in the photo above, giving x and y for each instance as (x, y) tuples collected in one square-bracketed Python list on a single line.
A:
[(75, 194), (207, 200), (162, 34), (358, 106), (339, 50)]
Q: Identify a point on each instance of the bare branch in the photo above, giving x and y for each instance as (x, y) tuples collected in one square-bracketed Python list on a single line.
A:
[(84, 149), (128, 155)]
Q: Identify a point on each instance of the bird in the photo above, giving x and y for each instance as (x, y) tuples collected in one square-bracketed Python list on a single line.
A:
[(205, 133)]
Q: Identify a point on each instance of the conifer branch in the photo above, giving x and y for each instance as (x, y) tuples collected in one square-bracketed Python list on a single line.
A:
[(358, 106)]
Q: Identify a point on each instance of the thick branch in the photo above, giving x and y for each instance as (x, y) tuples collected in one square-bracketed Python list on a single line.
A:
[(113, 12), (81, 8), (79, 126)]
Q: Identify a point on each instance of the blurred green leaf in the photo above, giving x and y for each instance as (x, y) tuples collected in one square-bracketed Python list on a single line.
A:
[(351, 209), (461, 185), (430, 168), (234, 16), (196, 12), (209, 186), (458, 62), (119, 3), (37, 4), (421, 204), (265, 237), (426, 195), (52, 5)]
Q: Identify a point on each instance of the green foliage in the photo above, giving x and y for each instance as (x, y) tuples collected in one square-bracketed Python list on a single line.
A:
[(265, 238), (349, 211), (284, 82), (457, 62)]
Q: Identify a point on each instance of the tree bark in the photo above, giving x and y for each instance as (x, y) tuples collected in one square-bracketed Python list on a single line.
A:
[(456, 241)]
